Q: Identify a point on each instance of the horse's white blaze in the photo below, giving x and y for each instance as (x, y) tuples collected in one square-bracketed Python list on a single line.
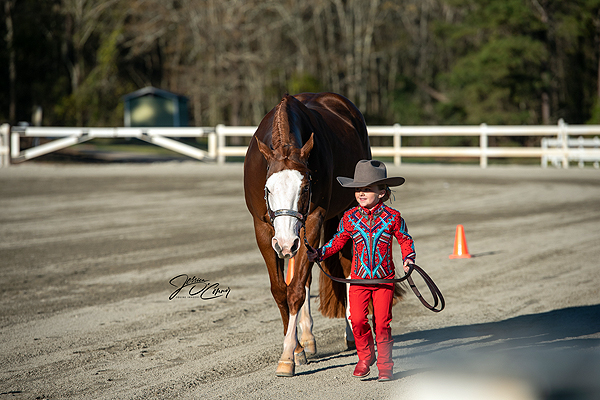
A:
[(284, 193)]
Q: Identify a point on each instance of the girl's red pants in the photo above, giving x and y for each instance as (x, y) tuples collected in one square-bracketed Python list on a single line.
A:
[(382, 296)]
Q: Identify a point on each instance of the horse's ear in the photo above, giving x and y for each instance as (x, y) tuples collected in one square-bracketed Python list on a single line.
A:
[(264, 149), (305, 152)]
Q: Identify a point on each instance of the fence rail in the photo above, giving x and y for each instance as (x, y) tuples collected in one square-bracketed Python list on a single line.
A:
[(558, 146)]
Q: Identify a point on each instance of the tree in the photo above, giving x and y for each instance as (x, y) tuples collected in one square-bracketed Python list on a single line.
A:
[(406, 61), (12, 69), (88, 25), (526, 63)]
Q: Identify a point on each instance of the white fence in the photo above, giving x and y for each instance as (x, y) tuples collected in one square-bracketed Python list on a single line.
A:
[(65, 137), (579, 150), (4, 145), (558, 146)]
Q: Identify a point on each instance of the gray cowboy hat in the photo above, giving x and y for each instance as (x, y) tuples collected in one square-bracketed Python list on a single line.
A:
[(370, 172)]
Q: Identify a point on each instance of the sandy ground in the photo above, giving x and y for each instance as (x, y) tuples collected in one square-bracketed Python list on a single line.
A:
[(87, 253)]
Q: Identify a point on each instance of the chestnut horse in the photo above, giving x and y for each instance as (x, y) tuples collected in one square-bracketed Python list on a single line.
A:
[(296, 153)]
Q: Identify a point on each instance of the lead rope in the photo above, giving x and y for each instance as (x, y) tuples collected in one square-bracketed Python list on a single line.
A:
[(435, 291)]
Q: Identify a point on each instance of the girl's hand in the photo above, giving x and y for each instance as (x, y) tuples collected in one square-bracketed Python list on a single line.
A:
[(406, 265), (311, 254)]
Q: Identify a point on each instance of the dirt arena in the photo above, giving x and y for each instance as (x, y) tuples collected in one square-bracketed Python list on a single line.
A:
[(87, 254)]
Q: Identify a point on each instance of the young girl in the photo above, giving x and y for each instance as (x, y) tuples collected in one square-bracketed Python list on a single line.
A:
[(371, 226)]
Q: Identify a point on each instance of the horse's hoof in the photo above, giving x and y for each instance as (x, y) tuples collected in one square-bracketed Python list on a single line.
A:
[(350, 344), (285, 368), (310, 346), (300, 358)]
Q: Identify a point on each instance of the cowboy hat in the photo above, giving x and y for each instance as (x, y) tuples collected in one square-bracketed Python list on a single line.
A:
[(370, 172)]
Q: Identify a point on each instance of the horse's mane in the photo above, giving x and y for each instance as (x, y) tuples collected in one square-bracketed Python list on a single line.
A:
[(281, 124)]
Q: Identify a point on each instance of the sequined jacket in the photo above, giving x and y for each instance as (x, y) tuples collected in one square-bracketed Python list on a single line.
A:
[(371, 232)]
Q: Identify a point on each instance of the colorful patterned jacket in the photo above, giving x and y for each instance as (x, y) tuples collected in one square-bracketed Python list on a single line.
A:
[(371, 232)]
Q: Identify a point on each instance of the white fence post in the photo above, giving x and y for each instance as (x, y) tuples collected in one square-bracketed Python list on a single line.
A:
[(4, 145), (544, 159), (580, 148), (596, 146), (563, 138), (221, 143), (212, 145), (483, 144), (397, 145), (15, 145)]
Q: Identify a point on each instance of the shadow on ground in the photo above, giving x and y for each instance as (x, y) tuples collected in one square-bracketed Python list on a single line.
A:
[(556, 352)]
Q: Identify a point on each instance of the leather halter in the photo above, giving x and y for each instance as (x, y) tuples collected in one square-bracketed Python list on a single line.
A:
[(286, 211)]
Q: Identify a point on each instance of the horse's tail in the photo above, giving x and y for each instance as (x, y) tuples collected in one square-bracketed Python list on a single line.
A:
[(332, 295), (399, 290)]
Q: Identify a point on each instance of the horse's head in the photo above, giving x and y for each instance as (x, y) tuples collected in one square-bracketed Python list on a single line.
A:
[(287, 193)]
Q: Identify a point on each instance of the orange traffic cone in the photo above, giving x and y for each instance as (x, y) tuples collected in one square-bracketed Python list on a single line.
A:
[(290, 271), (460, 244)]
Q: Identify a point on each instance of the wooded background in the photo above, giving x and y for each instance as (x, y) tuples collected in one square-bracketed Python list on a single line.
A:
[(413, 62)]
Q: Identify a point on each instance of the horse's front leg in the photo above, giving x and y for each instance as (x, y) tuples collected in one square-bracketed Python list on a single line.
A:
[(307, 339), (287, 363), (298, 296), (293, 352), (285, 366), (279, 289)]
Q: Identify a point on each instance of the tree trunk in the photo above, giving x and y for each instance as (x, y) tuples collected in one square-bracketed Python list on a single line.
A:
[(545, 109), (12, 69)]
